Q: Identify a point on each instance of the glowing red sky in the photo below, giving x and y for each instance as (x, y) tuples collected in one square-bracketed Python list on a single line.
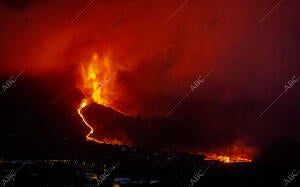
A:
[(158, 61)]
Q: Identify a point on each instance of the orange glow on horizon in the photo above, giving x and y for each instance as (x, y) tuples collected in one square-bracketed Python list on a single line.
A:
[(232, 154), (226, 159)]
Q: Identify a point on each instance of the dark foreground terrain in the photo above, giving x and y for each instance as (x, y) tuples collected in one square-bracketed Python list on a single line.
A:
[(43, 144), (125, 166)]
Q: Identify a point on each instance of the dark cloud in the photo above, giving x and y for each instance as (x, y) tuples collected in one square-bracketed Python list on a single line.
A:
[(17, 4)]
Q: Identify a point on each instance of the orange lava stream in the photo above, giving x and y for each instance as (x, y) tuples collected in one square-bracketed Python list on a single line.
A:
[(83, 104), (227, 159)]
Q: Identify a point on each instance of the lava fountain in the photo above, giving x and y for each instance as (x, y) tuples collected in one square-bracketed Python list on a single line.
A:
[(96, 77)]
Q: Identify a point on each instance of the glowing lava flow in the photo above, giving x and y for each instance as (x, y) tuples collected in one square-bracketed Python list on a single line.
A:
[(227, 159), (97, 80), (232, 154), (83, 104)]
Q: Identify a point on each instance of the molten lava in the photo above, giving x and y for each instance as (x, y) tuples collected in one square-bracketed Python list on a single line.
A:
[(226, 159), (83, 104), (232, 154), (96, 78)]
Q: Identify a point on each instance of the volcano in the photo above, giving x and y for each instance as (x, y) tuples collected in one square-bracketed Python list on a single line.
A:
[(203, 80)]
